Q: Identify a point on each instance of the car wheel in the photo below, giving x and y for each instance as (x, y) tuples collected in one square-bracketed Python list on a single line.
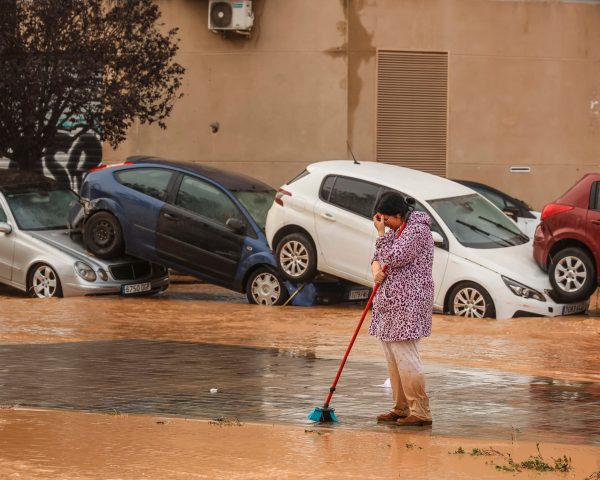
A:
[(102, 235), (43, 282), (572, 275), (296, 258), (264, 287), (468, 299)]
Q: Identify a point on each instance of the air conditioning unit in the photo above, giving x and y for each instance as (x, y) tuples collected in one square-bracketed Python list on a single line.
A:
[(230, 15)]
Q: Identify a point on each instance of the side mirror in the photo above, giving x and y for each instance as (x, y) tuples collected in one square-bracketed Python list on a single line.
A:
[(236, 225), (5, 228), (438, 240)]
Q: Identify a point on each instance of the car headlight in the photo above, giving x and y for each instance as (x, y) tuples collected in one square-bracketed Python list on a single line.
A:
[(521, 290), (85, 271), (102, 274)]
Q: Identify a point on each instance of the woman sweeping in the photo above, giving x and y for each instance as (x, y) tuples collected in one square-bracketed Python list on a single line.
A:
[(403, 305)]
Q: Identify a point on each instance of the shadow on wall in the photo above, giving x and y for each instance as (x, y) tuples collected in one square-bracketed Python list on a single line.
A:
[(69, 158)]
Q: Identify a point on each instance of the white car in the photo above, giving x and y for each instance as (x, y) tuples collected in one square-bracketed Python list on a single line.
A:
[(321, 221)]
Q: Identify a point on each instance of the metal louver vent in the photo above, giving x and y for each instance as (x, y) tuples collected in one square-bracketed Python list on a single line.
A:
[(412, 105)]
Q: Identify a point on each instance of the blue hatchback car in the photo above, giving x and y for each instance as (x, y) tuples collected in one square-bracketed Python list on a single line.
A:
[(196, 219)]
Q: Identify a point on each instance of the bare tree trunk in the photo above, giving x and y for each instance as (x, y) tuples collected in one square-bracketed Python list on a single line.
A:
[(28, 158)]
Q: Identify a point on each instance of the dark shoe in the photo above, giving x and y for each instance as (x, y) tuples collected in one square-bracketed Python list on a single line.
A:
[(389, 417), (412, 421)]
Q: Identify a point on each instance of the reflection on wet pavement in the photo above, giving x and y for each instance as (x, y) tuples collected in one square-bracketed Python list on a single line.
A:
[(282, 386)]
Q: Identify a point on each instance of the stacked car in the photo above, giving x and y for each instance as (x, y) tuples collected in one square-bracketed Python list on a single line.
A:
[(321, 221), (39, 254), (134, 221)]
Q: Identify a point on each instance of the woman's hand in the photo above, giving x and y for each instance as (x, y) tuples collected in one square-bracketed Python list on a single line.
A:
[(380, 276), (379, 223)]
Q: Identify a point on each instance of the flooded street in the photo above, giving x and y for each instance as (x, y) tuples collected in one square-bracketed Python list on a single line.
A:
[(198, 370)]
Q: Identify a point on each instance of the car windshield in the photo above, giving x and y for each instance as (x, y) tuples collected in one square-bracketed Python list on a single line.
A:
[(40, 209), (257, 204), (476, 223)]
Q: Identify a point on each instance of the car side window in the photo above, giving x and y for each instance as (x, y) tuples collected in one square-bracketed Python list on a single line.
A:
[(351, 194), (151, 181), (2, 215), (595, 200), (204, 199)]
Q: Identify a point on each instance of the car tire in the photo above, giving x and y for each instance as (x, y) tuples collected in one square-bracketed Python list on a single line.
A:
[(102, 235), (297, 258), (468, 299), (572, 275), (265, 287), (43, 282)]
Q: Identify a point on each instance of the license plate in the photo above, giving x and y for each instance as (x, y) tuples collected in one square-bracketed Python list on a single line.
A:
[(136, 288), (574, 308), (359, 294)]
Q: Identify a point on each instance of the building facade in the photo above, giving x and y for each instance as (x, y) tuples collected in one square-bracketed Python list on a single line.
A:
[(497, 91)]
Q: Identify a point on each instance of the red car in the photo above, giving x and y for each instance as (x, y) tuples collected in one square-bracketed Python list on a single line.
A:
[(567, 241)]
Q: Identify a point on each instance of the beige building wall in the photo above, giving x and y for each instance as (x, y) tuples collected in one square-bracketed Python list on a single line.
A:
[(523, 89)]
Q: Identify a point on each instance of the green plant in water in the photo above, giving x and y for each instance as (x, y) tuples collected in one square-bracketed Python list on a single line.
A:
[(562, 464), (593, 476), (513, 433), (537, 463), (476, 452), (413, 445), (224, 421), (458, 451)]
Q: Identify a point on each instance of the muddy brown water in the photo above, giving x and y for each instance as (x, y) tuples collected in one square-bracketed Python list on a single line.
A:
[(531, 379)]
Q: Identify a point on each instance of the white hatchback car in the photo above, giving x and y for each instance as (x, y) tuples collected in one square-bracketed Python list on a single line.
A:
[(321, 221)]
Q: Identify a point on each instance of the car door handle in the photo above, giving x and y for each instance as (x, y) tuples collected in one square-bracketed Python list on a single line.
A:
[(328, 216), (170, 216), (596, 222)]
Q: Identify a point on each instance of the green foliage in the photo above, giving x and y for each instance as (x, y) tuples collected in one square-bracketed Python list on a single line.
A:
[(226, 422), (482, 452), (458, 451)]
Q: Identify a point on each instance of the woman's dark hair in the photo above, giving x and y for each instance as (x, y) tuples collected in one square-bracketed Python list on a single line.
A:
[(392, 203)]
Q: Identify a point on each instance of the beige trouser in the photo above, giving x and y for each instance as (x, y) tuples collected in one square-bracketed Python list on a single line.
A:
[(407, 379)]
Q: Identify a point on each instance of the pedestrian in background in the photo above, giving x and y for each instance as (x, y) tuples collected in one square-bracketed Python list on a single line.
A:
[(403, 305)]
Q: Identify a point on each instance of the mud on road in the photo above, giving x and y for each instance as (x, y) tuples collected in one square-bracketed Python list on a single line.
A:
[(515, 381)]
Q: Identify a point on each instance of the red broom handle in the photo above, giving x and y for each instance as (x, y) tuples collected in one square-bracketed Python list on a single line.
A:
[(362, 319)]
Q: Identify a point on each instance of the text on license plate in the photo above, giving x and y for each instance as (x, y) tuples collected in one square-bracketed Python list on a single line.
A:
[(359, 294), (574, 308), (136, 288)]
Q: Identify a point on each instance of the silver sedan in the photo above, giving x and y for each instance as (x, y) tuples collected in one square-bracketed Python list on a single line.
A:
[(41, 256)]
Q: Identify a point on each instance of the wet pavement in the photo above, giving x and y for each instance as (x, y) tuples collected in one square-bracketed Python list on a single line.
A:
[(528, 378), (281, 386)]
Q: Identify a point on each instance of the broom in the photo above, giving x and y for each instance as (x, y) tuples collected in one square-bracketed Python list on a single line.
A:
[(325, 413)]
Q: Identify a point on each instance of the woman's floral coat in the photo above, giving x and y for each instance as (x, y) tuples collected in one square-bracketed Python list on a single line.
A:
[(403, 304)]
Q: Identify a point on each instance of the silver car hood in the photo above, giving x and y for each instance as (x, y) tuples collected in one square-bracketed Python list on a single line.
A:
[(61, 240)]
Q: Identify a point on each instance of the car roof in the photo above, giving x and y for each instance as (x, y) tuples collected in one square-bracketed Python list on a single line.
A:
[(410, 182), (15, 180), (231, 180)]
